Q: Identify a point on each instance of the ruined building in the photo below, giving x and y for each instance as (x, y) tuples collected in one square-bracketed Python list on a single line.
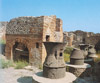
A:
[(2, 37), (25, 37), (68, 38), (94, 40), (74, 38), (3, 30)]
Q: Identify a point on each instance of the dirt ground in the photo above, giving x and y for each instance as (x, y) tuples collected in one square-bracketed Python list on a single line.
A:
[(11, 75)]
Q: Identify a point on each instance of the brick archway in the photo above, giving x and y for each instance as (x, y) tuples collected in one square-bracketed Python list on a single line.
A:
[(20, 50), (10, 44)]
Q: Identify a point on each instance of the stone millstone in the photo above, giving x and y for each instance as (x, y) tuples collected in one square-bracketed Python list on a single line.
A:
[(54, 65), (38, 78), (54, 73), (77, 57)]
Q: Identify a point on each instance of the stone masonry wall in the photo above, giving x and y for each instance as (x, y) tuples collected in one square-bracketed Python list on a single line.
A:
[(51, 23), (25, 25), (92, 40), (59, 30)]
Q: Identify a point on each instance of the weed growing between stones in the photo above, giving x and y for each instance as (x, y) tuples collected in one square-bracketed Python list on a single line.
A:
[(66, 57), (17, 65), (41, 67), (68, 50), (20, 64), (67, 53)]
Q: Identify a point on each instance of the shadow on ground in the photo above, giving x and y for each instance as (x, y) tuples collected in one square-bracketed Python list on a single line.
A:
[(25, 79)]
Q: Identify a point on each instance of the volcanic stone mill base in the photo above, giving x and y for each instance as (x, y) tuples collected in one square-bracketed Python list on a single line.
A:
[(80, 70), (89, 61), (38, 78), (54, 73)]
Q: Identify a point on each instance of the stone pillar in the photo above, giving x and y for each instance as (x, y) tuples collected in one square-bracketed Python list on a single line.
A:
[(8, 51)]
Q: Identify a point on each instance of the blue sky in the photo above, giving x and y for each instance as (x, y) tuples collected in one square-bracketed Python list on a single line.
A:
[(76, 14)]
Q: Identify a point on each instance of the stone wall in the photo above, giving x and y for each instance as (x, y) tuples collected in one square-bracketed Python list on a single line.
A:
[(51, 26), (3, 30), (92, 40), (82, 37), (25, 25), (68, 38), (27, 41), (3, 24)]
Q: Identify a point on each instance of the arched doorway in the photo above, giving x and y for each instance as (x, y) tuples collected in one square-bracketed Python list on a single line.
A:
[(20, 52)]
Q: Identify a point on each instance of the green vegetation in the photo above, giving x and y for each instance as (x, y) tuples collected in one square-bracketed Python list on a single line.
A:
[(6, 64), (2, 41), (16, 65), (98, 58), (66, 57), (98, 52), (68, 50), (67, 53), (20, 64), (41, 67)]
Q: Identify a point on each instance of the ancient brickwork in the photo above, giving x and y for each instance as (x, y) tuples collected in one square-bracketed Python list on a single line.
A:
[(51, 24), (81, 37), (32, 32), (59, 30), (68, 38), (27, 41), (3, 24), (92, 40), (25, 25)]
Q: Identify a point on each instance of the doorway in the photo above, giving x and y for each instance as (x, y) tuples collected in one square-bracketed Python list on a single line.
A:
[(20, 52)]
